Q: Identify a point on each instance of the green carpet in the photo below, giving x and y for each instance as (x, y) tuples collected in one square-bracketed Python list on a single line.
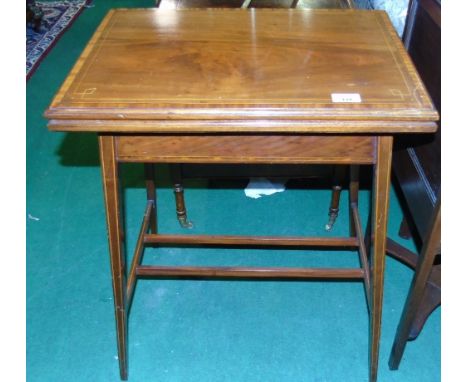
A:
[(190, 330)]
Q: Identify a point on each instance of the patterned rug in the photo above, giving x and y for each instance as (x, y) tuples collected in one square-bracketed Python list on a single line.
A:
[(58, 16)]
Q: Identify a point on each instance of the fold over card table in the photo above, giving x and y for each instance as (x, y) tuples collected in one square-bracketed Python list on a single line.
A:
[(253, 86)]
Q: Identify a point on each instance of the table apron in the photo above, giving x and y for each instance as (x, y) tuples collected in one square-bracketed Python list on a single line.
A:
[(247, 148)]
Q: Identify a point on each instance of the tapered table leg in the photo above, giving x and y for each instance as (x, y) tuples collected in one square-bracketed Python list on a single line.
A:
[(381, 187), (116, 246), (404, 231), (431, 248)]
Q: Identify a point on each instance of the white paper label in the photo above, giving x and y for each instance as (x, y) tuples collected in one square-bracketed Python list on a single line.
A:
[(346, 97)]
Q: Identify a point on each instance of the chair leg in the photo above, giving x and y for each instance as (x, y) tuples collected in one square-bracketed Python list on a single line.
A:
[(176, 175), (338, 175), (431, 248), (431, 298), (404, 231), (429, 302)]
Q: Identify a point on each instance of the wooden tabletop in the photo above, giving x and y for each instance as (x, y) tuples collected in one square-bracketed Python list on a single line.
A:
[(240, 70)]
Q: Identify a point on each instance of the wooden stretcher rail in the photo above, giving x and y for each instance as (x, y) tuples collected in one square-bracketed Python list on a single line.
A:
[(138, 254), (252, 240), (362, 250), (250, 272), (243, 272)]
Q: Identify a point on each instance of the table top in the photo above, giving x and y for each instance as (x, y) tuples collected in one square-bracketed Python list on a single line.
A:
[(213, 70)]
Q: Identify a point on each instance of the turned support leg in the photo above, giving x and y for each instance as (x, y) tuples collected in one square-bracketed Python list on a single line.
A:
[(176, 175), (338, 175)]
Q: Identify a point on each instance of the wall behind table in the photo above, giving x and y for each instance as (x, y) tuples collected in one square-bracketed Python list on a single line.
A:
[(396, 10)]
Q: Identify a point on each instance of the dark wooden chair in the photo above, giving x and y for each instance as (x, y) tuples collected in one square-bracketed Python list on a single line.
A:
[(416, 167), (424, 293), (180, 172)]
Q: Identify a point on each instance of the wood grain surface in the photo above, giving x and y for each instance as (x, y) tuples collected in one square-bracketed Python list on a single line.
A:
[(287, 149), (225, 64)]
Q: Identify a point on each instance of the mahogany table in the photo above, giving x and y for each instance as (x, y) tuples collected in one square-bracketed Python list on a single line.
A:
[(245, 86)]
